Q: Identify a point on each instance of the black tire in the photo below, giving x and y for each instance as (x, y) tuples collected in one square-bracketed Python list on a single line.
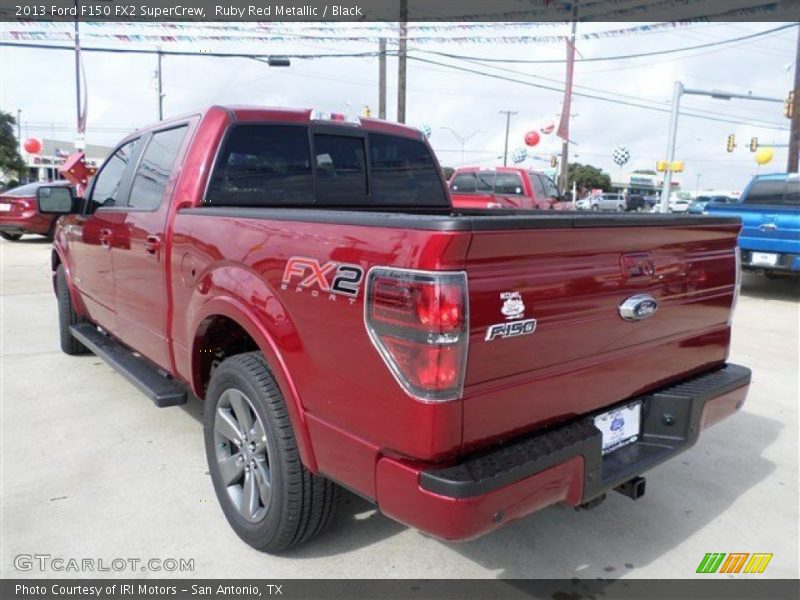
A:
[(300, 504), (595, 207), (11, 237), (67, 316)]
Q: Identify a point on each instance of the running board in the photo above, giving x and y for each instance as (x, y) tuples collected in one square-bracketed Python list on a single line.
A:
[(160, 389)]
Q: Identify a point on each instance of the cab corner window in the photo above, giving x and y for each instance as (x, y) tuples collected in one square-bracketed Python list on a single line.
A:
[(108, 182), (155, 168)]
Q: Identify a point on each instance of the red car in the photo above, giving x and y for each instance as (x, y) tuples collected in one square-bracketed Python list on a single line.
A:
[(19, 214), (504, 187), (346, 327)]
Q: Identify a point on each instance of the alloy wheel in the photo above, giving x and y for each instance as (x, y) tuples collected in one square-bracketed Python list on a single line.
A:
[(242, 455)]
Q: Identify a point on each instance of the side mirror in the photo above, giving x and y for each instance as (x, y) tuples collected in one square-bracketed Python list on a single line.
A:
[(55, 200)]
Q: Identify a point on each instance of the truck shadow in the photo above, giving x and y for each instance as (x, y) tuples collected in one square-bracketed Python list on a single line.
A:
[(684, 495), (758, 286)]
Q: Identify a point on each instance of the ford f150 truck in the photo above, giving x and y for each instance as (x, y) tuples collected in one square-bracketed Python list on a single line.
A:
[(504, 187), (770, 211), (345, 326)]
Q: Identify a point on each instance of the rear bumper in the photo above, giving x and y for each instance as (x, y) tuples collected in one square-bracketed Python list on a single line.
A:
[(786, 261), (562, 464)]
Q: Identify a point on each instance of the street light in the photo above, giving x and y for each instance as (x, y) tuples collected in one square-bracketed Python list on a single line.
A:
[(679, 91), (462, 139)]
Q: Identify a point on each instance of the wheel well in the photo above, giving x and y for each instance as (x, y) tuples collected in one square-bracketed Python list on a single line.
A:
[(216, 339)]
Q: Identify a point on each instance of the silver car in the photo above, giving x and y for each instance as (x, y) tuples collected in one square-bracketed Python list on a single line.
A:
[(609, 202)]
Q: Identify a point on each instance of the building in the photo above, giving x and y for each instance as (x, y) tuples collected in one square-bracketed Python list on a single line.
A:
[(44, 166)]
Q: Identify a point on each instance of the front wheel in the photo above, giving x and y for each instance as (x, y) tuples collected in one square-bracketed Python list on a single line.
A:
[(67, 317), (595, 207), (269, 498), (11, 237)]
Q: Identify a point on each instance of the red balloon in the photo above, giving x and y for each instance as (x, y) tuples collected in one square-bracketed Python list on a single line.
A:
[(531, 138), (32, 146)]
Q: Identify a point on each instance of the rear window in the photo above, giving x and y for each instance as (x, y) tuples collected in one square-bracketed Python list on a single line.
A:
[(24, 190), (508, 183), (403, 172), (774, 192), (463, 183), (282, 165)]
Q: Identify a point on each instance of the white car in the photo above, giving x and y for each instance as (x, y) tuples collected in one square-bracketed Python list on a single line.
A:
[(679, 205), (584, 204)]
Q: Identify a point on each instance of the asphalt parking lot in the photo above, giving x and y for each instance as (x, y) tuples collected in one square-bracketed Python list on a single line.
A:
[(91, 469)]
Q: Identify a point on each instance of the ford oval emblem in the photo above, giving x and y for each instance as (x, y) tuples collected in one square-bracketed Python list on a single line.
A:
[(638, 307)]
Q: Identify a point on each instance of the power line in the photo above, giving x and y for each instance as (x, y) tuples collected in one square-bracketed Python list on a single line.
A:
[(370, 54), (616, 94), (592, 96), (617, 57)]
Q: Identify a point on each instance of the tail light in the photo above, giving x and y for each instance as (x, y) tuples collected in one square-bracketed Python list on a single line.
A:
[(738, 281), (418, 322)]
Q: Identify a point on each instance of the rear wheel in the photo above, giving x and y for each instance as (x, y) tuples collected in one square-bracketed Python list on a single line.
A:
[(269, 498), (595, 207), (11, 237), (67, 317)]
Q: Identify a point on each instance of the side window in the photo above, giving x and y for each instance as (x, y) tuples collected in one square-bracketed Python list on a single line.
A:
[(108, 181), (508, 183), (539, 191), (341, 169), (263, 165), (463, 183), (155, 168)]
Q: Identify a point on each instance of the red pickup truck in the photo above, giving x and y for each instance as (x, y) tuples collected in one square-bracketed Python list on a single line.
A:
[(345, 326), (504, 187)]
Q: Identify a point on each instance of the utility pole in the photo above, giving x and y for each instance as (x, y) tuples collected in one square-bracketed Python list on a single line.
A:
[(564, 171), (508, 114), (382, 78), (401, 63), (80, 142), (19, 130), (794, 130), (160, 92)]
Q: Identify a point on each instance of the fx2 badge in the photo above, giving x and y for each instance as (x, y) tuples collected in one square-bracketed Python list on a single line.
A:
[(333, 279)]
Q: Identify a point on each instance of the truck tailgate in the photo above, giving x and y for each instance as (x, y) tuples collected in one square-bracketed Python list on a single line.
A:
[(582, 355)]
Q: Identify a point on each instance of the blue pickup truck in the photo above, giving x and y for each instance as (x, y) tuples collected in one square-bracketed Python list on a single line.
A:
[(770, 213)]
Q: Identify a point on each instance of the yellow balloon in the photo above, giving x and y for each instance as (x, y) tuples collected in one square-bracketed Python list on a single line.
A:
[(764, 155)]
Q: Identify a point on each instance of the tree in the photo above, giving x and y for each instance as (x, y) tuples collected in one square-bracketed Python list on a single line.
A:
[(10, 160), (586, 178), (448, 172)]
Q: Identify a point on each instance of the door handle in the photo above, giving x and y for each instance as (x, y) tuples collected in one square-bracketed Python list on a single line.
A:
[(768, 227), (105, 237), (152, 244)]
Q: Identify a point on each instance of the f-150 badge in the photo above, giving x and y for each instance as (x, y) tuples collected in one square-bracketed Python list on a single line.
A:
[(513, 308)]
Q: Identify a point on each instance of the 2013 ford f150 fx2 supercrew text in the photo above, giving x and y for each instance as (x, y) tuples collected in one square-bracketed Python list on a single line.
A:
[(345, 326)]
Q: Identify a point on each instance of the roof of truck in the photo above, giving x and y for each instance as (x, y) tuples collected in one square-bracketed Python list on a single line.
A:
[(243, 113)]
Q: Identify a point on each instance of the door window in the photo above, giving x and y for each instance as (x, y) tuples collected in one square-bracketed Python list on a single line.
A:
[(155, 168), (108, 182)]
